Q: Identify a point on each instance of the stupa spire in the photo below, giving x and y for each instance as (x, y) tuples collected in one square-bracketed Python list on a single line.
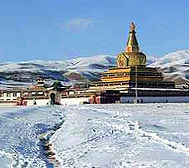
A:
[(132, 44)]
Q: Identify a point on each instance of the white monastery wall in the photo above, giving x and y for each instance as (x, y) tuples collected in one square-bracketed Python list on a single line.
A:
[(74, 100)]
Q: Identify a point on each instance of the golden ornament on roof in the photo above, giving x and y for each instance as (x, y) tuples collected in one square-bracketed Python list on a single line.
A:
[(132, 26)]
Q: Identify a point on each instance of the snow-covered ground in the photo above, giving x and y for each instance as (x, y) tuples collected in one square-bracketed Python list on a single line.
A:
[(113, 135), (21, 132)]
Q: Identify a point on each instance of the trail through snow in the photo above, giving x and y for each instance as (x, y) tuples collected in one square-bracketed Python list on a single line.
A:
[(123, 136), (96, 136)]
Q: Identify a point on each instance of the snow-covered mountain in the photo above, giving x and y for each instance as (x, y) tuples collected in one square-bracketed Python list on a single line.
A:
[(15, 74), (175, 66)]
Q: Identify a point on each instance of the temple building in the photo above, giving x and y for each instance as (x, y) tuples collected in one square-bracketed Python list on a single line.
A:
[(131, 71)]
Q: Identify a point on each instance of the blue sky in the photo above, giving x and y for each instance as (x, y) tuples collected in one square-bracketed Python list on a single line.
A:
[(65, 29)]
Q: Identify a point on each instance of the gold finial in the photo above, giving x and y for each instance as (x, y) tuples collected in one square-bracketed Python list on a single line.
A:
[(132, 26), (132, 44)]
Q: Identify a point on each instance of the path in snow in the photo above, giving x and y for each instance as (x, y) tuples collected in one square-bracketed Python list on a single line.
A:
[(115, 135), (24, 131), (144, 135)]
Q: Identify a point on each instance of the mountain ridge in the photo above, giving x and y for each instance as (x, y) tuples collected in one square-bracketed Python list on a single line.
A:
[(174, 66)]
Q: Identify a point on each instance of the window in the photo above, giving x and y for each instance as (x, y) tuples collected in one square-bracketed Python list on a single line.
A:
[(14, 94), (71, 92), (8, 94), (40, 93)]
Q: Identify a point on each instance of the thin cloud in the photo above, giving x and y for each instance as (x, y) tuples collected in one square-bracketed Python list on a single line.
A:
[(78, 23)]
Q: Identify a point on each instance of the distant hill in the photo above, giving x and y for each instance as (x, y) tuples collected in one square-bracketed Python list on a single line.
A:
[(22, 74), (175, 67)]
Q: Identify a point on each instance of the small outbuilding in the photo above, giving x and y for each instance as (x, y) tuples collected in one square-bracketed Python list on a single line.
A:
[(55, 92)]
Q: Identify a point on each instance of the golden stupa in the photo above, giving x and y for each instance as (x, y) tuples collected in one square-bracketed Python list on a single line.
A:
[(131, 56), (131, 70)]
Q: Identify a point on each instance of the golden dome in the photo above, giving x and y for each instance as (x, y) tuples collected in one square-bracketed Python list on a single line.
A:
[(131, 56)]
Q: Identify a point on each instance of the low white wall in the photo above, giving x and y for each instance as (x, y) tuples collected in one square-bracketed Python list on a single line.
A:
[(74, 100), (178, 99), (40, 102), (64, 101), (7, 104)]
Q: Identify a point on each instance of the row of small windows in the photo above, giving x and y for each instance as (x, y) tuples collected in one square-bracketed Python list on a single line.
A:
[(126, 74), (39, 93), (109, 84), (133, 84), (16, 94)]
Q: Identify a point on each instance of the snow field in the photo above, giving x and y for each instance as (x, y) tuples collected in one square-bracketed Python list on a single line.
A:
[(122, 136), (100, 136), (20, 133)]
